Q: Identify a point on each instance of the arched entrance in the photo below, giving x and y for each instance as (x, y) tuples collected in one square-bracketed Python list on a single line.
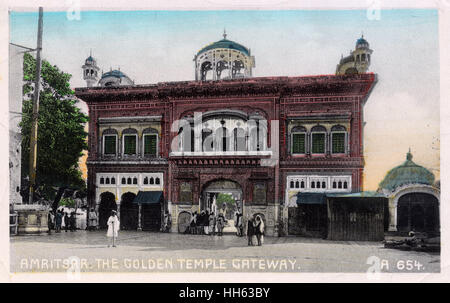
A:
[(418, 212), (107, 204), (223, 196), (129, 212)]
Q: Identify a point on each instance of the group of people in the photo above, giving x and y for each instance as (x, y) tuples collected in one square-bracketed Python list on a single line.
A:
[(255, 231), (60, 220), (206, 223)]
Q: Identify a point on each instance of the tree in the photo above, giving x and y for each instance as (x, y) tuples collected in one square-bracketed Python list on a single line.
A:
[(61, 135)]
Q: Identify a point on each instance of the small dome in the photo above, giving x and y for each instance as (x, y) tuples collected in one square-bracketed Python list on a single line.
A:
[(225, 43), (407, 173), (361, 42), (90, 60), (114, 73)]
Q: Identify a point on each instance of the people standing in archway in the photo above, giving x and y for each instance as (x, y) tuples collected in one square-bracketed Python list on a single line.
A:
[(238, 222), (206, 222), (220, 224), (212, 224), (113, 228), (250, 231), (193, 224), (259, 230)]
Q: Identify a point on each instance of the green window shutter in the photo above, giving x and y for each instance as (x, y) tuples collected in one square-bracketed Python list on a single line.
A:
[(110, 145), (130, 145), (298, 143), (150, 142), (338, 143), (318, 143)]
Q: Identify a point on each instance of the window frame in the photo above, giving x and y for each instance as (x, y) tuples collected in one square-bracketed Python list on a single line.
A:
[(345, 142), (324, 142), (104, 141), (305, 143), (157, 144), (123, 145)]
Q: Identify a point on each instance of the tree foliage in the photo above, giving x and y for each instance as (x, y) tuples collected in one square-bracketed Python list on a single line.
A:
[(61, 135)]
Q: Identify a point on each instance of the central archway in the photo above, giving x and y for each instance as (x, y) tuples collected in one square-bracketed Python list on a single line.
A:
[(223, 196)]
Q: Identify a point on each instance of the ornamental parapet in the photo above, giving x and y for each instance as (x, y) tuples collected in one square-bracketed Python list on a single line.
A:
[(217, 161), (349, 162), (310, 85)]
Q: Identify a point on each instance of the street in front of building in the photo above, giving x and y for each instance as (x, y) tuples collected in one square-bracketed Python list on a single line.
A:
[(171, 252)]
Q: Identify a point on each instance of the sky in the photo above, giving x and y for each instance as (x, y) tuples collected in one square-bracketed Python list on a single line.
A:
[(156, 46)]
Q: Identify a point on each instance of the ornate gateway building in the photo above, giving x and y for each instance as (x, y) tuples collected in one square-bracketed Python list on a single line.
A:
[(269, 142)]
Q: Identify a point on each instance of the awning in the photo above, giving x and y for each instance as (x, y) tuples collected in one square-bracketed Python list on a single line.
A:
[(148, 197), (311, 198)]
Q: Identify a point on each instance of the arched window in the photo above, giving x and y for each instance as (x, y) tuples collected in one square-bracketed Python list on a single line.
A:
[(107, 181), (152, 181), (113, 180), (338, 139), (345, 184), (124, 181), (145, 180), (129, 141), (298, 140), (292, 184), (129, 181), (302, 184), (318, 139), (109, 142), (135, 180), (313, 184), (150, 142), (157, 181), (102, 180), (297, 184)]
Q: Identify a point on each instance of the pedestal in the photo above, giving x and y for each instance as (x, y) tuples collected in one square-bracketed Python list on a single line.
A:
[(32, 219)]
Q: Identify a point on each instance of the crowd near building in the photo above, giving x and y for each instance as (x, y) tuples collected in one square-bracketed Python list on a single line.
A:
[(289, 149)]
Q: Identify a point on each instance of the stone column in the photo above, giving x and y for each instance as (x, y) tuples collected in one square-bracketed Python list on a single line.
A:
[(139, 217), (392, 215)]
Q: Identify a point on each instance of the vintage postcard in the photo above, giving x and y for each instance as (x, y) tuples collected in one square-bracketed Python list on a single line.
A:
[(247, 141)]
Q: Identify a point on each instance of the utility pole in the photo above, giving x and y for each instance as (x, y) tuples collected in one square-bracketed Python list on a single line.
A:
[(34, 123)]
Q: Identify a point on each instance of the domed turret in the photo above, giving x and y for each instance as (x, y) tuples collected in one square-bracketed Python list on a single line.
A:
[(90, 71), (358, 61), (224, 59), (407, 173)]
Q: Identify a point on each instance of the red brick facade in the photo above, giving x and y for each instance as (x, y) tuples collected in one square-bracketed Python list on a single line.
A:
[(273, 98)]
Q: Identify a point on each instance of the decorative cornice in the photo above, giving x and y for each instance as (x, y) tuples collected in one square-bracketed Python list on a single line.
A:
[(216, 161), (358, 84), (124, 162), (323, 162)]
